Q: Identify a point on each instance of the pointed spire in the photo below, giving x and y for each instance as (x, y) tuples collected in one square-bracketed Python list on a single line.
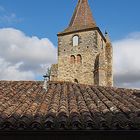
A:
[(82, 17)]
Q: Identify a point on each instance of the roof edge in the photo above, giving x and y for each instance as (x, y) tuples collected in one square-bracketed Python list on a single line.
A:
[(82, 30)]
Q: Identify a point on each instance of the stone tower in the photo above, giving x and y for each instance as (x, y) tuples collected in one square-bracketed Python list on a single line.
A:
[(84, 53)]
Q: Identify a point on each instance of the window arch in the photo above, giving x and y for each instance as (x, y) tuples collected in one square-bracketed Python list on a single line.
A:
[(79, 58), (96, 66), (72, 59), (75, 40)]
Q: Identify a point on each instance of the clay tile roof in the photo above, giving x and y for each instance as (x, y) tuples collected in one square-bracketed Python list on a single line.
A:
[(25, 105), (82, 18)]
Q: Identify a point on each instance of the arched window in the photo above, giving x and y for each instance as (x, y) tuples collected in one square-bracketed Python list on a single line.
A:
[(75, 40), (72, 59), (79, 58), (96, 66)]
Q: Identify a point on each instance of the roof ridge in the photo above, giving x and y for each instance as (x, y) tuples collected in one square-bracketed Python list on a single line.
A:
[(82, 17), (82, 13)]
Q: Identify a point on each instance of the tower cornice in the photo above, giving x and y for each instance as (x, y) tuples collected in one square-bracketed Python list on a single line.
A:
[(82, 30)]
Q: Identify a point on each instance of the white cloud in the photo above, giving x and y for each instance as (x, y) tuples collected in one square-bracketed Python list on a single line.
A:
[(12, 72), (8, 18), (23, 57), (2, 9), (127, 61), (26, 58)]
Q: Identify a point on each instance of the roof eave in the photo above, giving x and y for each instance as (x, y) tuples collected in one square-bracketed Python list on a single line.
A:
[(82, 30)]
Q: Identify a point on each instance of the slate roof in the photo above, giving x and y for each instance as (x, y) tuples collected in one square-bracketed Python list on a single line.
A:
[(25, 105), (81, 19)]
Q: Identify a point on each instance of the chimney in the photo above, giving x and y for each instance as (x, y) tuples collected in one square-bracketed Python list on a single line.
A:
[(46, 79)]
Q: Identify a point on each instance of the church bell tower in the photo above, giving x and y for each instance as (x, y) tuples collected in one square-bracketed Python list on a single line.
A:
[(84, 53)]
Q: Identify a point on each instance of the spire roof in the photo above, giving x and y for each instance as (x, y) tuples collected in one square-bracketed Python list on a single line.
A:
[(82, 17)]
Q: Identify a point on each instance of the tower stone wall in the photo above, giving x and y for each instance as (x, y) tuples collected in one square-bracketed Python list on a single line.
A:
[(109, 61), (84, 53)]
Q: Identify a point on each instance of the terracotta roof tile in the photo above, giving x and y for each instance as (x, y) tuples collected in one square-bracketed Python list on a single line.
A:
[(25, 105), (82, 18)]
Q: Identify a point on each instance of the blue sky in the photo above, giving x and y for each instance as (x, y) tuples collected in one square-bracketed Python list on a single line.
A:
[(44, 18), (28, 36)]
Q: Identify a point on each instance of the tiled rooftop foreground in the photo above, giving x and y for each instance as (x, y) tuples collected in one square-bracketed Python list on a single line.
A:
[(25, 105)]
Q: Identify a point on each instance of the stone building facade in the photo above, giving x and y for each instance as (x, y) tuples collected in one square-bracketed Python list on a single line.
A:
[(84, 53)]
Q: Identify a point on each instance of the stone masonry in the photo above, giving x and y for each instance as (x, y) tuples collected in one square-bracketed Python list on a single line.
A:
[(90, 60)]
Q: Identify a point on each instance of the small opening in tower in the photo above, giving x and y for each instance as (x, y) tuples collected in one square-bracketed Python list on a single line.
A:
[(75, 40), (79, 59), (96, 70), (72, 59), (102, 44), (76, 81)]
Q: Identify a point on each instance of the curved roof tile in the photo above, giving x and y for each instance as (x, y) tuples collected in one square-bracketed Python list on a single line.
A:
[(25, 105)]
